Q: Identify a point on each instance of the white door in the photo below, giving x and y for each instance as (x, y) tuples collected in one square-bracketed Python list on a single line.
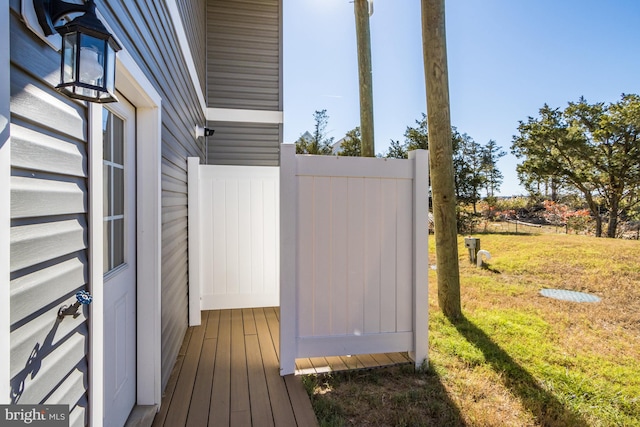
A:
[(119, 159)]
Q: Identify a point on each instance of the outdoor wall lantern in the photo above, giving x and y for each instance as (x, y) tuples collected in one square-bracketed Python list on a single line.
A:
[(88, 54)]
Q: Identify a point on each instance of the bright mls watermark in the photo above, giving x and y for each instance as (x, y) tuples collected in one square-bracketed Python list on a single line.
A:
[(34, 415)]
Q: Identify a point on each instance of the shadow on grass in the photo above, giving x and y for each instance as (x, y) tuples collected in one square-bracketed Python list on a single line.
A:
[(397, 396), (544, 406), (490, 269), (442, 409)]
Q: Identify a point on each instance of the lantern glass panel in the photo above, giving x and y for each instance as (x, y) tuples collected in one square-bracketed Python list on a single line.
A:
[(69, 66), (86, 93), (91, 60), (111, 69)]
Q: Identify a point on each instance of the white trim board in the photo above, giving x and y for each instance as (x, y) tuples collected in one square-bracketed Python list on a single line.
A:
[(420, 353), (5, 200), (133, 84), (193, 218), (96, 318), (288, 242), (244, 116), (174, 13)]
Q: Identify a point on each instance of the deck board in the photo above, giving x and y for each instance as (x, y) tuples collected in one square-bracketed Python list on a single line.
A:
[(305, 367), (300, 401), (239, 381), (184, 388), (199, 409), (320, 364), (351, 362), (382, 359), (161, 416), (336, 364), (280, 402), (399, 358), (274, 329), (212, 325), (258, 390), (220, 405), (227, 374), (249, 322)]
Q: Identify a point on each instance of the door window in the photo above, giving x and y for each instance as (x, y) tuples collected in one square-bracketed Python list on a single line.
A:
[(114, 190)]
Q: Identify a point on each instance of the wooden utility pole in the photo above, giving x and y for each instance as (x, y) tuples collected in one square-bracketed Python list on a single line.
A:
[(441, 157), (365, 76)]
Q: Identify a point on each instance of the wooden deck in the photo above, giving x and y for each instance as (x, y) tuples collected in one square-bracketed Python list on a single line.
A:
[(228, 374)]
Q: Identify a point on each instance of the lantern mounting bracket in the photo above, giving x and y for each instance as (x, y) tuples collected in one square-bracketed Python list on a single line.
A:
[(49, 11)]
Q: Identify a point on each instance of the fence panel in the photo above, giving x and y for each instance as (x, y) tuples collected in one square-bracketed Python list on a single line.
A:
[(353, 271), (234, 236)]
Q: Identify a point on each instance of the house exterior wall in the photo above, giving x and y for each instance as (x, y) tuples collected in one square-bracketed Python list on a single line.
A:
[(48, 243), (49, 184), (245, 144), (143, 27), (243, 54), (244, 73), (192, 12), (50, 196)]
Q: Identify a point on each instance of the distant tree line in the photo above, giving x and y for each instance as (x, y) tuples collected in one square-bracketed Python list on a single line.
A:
[(593, 149), (475, 165)]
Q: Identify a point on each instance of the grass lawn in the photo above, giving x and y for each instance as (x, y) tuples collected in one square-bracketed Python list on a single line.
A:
[(517, 358)]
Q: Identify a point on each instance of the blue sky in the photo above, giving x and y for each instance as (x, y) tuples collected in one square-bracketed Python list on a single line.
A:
[(506, 59)]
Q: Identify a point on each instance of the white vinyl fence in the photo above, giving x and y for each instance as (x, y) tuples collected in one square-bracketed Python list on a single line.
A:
[(354, 256), (234, 249)]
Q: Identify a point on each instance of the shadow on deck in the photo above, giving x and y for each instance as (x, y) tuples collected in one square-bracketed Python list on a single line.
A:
[(228, 374)]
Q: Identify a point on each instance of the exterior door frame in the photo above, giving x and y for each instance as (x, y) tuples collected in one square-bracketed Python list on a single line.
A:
[(137, 88)]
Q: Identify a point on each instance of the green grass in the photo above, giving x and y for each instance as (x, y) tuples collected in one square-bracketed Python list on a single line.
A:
[(516, 358)]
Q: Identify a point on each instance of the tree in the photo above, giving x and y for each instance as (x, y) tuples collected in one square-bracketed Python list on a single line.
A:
[(318, 143), (396, 150), (352, 144), (592, 147), (415, 138), (541, 188), (418, 138), (468, 168), (492, 152), (473, 164)]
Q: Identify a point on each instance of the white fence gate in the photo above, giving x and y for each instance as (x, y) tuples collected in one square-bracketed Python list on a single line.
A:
[(354, 256), (234, 227)]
